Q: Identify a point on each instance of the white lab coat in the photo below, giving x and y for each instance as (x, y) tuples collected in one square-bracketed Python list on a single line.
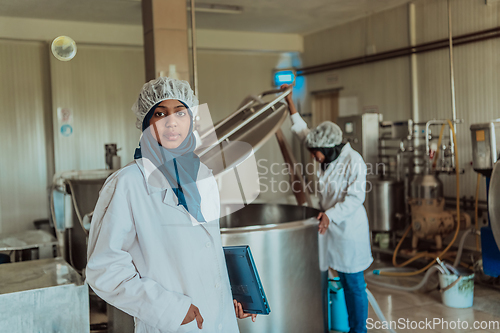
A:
[(346, 245), (148, 258)]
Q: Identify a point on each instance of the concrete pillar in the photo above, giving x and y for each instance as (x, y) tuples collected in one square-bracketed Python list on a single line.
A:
[(165, 38)]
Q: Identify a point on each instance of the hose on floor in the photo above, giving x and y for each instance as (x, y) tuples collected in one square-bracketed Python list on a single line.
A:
[(377, 310), (416, 287)]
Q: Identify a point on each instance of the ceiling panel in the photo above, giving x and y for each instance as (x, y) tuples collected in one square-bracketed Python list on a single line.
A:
[(279, 16)]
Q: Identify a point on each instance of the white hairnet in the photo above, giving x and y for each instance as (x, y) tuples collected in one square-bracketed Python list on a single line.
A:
[(159, 90), (325, 135)]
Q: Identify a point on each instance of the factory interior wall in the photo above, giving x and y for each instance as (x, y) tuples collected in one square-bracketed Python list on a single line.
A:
[(385, 86), (24, 106), (98, 87)]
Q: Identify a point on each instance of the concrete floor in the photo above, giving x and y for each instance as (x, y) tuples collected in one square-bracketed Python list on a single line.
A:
[(419, 306)]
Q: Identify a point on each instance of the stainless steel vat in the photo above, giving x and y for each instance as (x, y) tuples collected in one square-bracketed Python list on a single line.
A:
[(385, 204), (86, 195), (284, 243)]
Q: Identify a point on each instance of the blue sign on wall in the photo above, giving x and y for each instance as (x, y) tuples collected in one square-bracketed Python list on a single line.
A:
[(66, 130)]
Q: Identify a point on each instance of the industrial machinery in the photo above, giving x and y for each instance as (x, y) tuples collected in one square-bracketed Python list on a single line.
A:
[(385, 204), (429, 218), (74, 196), (404, 185), (112, 159), (485, 139), (362, 133), (385, 195), (486, 151)]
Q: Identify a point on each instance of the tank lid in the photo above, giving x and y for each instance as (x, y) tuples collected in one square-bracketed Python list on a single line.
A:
[(257, 119)]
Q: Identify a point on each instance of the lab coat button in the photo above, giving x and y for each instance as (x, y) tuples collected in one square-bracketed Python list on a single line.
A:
[(208, 244), (217, 286), (220, 326)]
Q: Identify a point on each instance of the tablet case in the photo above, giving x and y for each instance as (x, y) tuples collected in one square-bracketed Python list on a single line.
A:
[(244, 278)]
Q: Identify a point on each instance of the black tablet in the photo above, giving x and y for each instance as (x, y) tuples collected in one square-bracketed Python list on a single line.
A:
[(244, 278)]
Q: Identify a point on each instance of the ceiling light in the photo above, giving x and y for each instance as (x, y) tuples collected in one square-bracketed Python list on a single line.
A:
[(212, 8), (217, 9)]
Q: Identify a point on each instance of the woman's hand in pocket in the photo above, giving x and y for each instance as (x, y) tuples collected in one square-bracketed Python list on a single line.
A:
[(192, 314)]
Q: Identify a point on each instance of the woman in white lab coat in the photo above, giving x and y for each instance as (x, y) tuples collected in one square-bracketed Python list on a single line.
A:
[(344, 240), (154, 247)]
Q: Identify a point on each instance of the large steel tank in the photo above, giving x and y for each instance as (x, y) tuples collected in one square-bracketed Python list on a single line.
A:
[(79, 192), (385, 204), (284, 242)]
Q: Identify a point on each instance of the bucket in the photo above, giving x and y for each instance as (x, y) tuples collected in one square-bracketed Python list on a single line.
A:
[(457, 291), (338, 319)]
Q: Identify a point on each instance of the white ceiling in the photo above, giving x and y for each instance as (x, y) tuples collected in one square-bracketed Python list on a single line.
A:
[(280, 16)]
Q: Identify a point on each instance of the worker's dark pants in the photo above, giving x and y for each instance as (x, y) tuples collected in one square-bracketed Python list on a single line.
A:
[(355, 298)]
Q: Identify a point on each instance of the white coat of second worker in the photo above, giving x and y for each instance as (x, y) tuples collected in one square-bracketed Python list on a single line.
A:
[(346, 245), (147, 257)]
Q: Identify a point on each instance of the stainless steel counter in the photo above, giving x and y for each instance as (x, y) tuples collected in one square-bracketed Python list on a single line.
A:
[(29, 244), (26, 240), (45, 295)]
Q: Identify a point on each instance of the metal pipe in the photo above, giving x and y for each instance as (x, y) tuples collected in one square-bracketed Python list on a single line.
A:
[(415, 111), (427, 135), (413, 62), (427, 138), (452, 82), (193, 48), (421, 48), (427, 125), (399, 166)]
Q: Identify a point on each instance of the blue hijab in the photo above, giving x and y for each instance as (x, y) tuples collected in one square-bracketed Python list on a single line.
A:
[(179, 165)]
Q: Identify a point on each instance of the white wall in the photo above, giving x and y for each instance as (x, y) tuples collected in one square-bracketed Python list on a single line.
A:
[(99, 87), (386, 84), (24, 107)]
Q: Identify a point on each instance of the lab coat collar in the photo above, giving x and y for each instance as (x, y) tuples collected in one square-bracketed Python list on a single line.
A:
[(156, 182)]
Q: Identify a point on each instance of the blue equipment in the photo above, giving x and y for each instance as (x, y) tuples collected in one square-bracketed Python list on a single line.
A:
[(338, 319)]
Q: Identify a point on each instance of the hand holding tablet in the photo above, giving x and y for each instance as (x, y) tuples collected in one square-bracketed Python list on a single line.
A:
[(245, 282)]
